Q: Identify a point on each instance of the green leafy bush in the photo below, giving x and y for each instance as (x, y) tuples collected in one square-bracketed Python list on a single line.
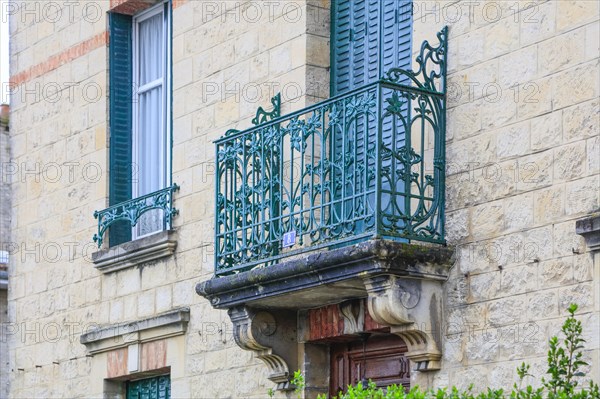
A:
[(564, 369)]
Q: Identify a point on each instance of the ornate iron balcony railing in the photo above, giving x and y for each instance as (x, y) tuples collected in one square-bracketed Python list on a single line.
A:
[(133, 209), (365, 164)]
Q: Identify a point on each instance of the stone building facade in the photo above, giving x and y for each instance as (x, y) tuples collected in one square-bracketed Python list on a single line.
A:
[(5, 212), (522, 167)]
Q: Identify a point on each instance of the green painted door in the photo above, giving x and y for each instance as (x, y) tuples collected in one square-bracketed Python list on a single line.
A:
[(150, 388)]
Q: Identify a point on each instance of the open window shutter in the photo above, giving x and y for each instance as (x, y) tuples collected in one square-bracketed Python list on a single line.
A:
[(396, 50), (396, 53), (359, 54), (368, 38), (341, 46), (120, 81), (397, 34), (355, 52)]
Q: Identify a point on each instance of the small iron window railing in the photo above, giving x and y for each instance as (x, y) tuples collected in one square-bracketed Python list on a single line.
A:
[(132, 210)]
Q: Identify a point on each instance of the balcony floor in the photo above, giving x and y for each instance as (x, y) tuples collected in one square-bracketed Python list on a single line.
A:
[(328, 276)]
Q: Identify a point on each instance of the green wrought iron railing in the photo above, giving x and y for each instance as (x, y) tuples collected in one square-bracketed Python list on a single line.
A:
[(131, 211), (365, 164)]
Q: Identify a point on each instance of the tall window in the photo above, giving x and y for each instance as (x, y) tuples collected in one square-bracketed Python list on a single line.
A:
[(150, 110), (140, 122)]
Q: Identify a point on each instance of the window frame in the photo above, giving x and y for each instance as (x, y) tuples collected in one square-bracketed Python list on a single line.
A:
[(165, 81)]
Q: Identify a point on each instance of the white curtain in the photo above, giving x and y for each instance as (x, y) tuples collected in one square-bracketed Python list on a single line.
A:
[(150, 144)]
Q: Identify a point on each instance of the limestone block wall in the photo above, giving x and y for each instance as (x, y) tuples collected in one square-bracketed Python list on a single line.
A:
[(228, 59), (522, 167)]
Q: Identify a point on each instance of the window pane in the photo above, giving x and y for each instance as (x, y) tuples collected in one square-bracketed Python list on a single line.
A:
[(151, 156), (151, 49), (150, 144)]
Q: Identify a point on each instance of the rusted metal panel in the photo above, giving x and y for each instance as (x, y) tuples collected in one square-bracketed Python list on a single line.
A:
[(154, 355), (328, 322), (116, 363), (325, 322)]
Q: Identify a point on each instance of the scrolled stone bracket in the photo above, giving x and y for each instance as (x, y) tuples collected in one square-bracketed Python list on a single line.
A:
[(589, 229), (253, 330), (411, 307)]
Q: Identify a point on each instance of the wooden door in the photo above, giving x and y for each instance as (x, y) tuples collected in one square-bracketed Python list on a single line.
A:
[(381, 361)]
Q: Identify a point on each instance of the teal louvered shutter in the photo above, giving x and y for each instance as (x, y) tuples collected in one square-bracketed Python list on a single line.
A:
[(120, 122), (397, 35), (150, 388), (396, 50), (368, 38), (355, 50), (360, 55), (396, 53), (342, 34)]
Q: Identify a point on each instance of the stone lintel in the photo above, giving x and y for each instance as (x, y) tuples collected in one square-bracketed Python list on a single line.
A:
[(107, 338)]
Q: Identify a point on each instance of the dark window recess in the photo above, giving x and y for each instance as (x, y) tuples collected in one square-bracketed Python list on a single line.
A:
[(380, 359), (150, 388)]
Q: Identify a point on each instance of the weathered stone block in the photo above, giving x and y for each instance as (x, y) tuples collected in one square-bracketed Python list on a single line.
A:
[(549, 204), (583, 196), (518, 280), (487, 220), (546, 131), (574, 13), (569, 161), (593, 155), (561, 52), (518, 212), (534, 97), (581, 294), (513, 140), (542, 304), (483, 287), (575, 85), (556, 272), (507, 311), (517, 68), (457, 226), (538, 22)]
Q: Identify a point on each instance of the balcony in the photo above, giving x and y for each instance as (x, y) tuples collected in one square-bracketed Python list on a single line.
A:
[(364, 165), (340, 203)]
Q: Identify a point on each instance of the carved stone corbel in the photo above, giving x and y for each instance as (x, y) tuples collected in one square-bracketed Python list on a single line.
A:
[(354, 316), (412, 309), (260, 332)]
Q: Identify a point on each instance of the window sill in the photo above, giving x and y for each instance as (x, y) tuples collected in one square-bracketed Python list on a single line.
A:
[(133, 253)]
